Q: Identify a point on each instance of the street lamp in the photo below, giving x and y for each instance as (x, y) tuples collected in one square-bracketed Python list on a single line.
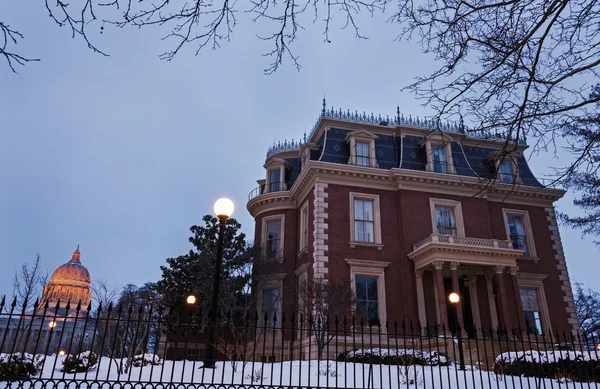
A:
[(223, 209), (61, 353), (191, 299), (455, 299), (52, 324)]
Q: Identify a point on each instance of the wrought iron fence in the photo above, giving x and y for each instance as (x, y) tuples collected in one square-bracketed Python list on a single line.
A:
[(152, 347)]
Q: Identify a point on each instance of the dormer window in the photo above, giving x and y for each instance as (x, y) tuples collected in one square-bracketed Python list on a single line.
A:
[(362, 148), (275, 175), (506, 167), (439, 153)]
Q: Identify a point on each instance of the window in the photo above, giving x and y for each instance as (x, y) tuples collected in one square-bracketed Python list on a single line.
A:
[(518, 231), (362, 154), (440, 162), (362, 143), (367, 304), (191, 354), (270, 303), (304, 227), (532, 311), (273, 238), (438, 148), (506, 172), (445, 221), (275, 180), (518, 236), (368, 285), (446, 217), (363, 221)]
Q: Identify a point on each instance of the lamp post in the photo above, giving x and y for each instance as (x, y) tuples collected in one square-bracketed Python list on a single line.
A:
[(455, 299), (223, 209)]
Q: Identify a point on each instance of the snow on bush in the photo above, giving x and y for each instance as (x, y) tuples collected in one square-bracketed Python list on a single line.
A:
[(82, 362), (565, 366), (395, 357), (19, 366), (546, 356), (145, 359)]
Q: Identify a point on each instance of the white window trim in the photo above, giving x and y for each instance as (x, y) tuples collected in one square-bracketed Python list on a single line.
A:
[(272, 281), (376, 269), (272, 165), (536, 281), (365, 137), (279, 257), (437, 139), (512, 158), (302, 274), (458, 214), (528, 231), (376, 220), (303, 226)]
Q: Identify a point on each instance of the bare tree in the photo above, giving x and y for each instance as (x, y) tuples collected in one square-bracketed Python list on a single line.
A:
[(587, 306), (29, 282), (324, 304)]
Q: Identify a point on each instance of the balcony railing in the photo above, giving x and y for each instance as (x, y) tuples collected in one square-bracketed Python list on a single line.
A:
[(268, 188), (461, 241)]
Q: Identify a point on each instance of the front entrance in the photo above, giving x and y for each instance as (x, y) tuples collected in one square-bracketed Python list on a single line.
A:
[(466, 307)]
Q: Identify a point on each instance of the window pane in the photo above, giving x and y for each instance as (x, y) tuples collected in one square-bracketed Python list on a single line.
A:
[(367, 210), (373, 311), (372, 288), (274, 180), (274, 236), (506, 172), (361, 288), (358, 209), (439, 159), (445, 220), (362, 154), (516, 228), (369, 234)]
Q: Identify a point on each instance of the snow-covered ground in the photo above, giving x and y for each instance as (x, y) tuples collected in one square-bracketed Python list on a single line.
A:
[(296, 374)]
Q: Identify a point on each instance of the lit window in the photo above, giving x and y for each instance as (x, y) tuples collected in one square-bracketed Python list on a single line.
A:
[(445, 221), (273, 238), (516, 230), (362, 154), (506, 172), (367, 304), (270, 302), (363, 221), (532, 311), (304, 227), (440, 163), (274, 180)]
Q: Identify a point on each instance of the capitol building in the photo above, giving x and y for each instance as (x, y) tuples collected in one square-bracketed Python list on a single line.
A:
[(50, 327)]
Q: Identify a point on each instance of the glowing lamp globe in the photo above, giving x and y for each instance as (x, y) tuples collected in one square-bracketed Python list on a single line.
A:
[(52, 324), (223, 207), (61, 353), (191, 299), (454, 298)]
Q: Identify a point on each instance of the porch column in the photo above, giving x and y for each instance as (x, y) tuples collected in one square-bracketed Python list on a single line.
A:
[(502, 300), (518, 303), (421, 300), (441, 295), (491, 300), (474, 302), (456, 289)]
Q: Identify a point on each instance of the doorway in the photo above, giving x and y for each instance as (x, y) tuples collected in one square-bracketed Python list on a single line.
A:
[(465, 299)]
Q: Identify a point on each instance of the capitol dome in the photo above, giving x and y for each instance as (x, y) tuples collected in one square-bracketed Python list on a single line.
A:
[(70, 282)]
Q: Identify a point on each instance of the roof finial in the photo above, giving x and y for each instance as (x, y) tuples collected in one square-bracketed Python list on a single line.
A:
[(76, 255), (398, 112), (324, 106)]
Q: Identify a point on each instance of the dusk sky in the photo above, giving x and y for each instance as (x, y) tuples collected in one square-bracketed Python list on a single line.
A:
[(122, 154)]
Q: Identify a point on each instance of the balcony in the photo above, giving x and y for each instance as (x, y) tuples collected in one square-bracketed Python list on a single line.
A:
[(476, 251), (272, 187)]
